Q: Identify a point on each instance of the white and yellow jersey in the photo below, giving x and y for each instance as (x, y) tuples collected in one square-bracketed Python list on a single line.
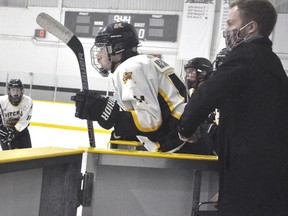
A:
[(148, 88), (16, 116)]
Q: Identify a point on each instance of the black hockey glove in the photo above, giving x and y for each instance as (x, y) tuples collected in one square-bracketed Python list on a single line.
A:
[(91, 105), (5, 145), (7, 134), (3, 131)]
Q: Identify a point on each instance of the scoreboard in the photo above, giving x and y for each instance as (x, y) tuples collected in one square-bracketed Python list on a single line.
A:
[(152, 27)]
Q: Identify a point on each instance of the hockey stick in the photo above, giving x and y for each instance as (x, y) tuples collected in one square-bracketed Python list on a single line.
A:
[(2, 116), (65, 35), (4, 124)]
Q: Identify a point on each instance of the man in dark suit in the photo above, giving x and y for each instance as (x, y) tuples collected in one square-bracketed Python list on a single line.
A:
[(251, 90)]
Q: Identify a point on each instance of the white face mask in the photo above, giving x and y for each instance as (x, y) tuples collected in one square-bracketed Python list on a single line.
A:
[(232, 38)]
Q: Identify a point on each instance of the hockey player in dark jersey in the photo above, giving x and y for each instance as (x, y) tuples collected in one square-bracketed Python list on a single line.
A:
[(198, 70), (149, 98), (16, 111)]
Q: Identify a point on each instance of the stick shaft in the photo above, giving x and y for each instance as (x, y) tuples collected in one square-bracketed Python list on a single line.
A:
[(65, 35)]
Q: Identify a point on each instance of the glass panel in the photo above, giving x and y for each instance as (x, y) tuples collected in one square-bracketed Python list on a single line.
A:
[(13, 3)]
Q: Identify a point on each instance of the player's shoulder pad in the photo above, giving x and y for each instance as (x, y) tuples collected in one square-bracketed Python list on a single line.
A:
[(160, 65)]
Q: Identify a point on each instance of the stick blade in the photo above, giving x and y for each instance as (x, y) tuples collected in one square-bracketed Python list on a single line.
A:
[(54, 27)]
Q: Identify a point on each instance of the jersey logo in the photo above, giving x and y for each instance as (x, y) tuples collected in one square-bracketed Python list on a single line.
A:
[(127, 76), (118, 25)]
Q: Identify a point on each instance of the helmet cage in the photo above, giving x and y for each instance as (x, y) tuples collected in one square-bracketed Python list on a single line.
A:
[(191, 83), (99, 47), (118, 38), (15, 83), (203, 68), (201, 75)]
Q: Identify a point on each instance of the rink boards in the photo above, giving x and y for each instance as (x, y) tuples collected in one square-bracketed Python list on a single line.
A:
[(48, 181)]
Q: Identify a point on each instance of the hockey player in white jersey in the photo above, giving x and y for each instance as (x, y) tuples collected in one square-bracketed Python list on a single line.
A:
[(149, 98), (16, 111)]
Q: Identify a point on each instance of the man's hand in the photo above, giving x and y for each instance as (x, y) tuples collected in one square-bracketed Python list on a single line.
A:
[(91, 105), (192, 139)]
